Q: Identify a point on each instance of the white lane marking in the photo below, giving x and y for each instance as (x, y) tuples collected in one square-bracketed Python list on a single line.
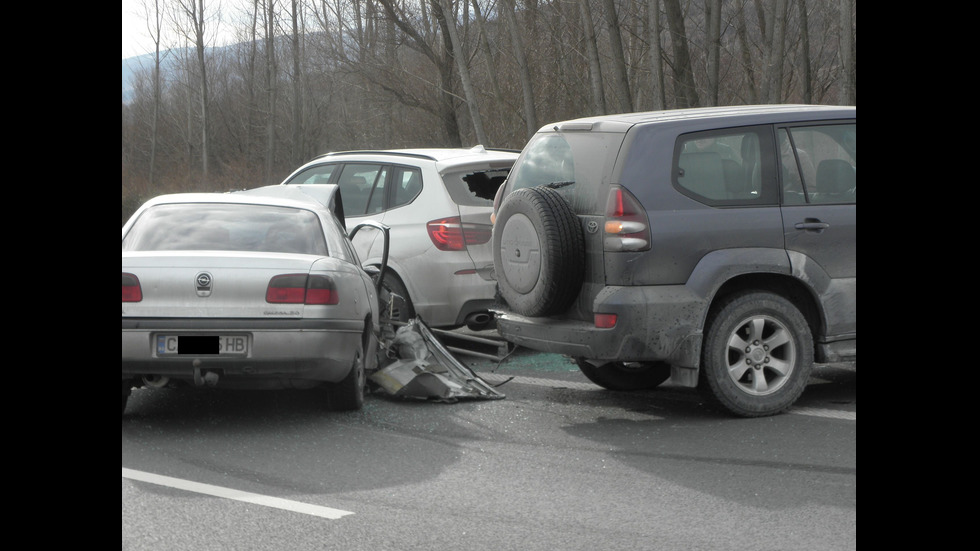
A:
[(496, 378), (228, 493), (831, 413)]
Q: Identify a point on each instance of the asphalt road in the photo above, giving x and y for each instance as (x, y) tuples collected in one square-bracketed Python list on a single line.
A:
[(558, 464)]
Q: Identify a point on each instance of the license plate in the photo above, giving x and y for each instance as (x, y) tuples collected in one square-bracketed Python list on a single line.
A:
[(199, 345)]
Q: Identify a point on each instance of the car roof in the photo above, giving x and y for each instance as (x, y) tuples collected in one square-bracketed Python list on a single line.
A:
[(444, 158), (748, 114), (310, 197)]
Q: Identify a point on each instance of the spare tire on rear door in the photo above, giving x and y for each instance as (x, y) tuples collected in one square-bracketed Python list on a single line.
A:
[(538, 252)]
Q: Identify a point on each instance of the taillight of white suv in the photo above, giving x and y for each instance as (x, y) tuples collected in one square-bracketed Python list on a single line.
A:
[(451, 234), (627, 227)]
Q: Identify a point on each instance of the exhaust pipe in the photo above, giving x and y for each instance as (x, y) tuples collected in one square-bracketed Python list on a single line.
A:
[(155, 381), (478, 320)]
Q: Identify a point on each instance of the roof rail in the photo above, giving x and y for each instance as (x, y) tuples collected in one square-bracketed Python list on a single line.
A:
[(375, 152), (404, 153)]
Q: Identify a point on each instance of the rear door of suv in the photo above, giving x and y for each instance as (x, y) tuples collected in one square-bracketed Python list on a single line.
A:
[(819, 197)]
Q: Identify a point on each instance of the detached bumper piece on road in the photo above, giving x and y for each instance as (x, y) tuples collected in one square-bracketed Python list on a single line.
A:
[(424, 368)]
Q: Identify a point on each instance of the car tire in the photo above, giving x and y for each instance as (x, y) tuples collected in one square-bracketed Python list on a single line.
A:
[(538, 252), (757, 354), (402, 310), (626, 375), (348, 394)]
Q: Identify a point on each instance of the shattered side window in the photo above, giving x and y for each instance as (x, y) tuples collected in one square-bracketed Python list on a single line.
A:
[(475, 188)]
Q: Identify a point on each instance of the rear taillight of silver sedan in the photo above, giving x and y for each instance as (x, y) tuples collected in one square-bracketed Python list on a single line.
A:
[(302, 289), (131, 291), (451, 234)]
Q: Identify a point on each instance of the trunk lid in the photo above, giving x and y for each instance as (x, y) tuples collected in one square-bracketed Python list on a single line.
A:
[(211, 284)]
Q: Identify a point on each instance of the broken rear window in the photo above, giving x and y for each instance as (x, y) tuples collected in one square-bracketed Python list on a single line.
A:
[(474, 188)]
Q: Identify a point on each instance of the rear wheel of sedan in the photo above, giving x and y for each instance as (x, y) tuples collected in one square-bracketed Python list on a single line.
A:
[(348, 394), (626, 375), (757, 354)]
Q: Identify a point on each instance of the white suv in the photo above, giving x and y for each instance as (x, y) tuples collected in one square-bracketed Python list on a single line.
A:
[(437, 203)]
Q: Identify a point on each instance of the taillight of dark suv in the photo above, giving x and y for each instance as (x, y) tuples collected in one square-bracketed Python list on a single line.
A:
[(627, 227)]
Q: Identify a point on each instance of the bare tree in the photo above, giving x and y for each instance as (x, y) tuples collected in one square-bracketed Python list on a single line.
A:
[(191, 21), (776, 55), (484, 44), (684, 87), (712, 12), (298, 151), (530, 113), (805, 61), (271, 84), (154, 27), (439, 56), (391, 72), (655, 55), (847, 49), (620, 83), (458, 52), (592, 56)]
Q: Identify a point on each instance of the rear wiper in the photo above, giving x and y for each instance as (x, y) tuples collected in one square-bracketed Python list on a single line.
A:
[(555, 185)]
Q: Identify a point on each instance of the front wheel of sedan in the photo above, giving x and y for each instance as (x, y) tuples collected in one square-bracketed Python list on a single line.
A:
[(757, 354), (348, 394)]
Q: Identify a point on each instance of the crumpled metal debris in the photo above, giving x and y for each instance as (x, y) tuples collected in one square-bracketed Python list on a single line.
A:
[(424, 368)]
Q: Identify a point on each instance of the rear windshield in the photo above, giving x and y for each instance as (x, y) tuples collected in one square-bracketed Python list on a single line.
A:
[(226, 227), (572, 163)]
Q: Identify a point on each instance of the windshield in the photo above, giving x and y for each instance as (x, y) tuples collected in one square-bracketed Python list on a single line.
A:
[(226, 227)]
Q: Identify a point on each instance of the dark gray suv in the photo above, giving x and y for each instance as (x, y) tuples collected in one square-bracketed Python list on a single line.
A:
[(714, 247)]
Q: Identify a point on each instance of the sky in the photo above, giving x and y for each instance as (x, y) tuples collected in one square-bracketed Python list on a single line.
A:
[(135, 39)]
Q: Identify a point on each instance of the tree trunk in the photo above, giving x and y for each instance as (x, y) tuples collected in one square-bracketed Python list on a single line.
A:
[(712, 11), (847, 53), (498, 96), (298, 152), (684, 88), (777, 54), (592, 55), (271, 88), (458, 54), (620, 82), (655, 55), (745, 51), (530, 115), (807, 71)]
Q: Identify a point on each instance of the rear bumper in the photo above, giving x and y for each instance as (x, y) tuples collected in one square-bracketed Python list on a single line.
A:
[(444, 300), (314, 350), (654, 323)]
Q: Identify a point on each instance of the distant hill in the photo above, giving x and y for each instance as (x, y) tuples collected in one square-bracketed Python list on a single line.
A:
[(133, 65)]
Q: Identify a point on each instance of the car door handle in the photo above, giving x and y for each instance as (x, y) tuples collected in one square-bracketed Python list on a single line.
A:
[(812, 225)]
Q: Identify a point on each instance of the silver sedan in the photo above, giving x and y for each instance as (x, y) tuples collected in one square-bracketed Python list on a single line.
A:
[(256, 289)]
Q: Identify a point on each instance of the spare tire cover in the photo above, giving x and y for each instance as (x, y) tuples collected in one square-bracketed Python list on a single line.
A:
[(538, 252)]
